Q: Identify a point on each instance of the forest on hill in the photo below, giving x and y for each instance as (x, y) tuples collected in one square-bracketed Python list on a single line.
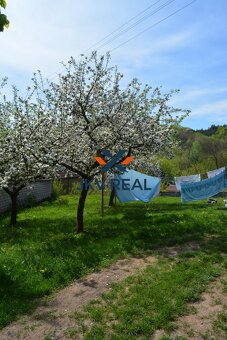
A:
[(198, 151)]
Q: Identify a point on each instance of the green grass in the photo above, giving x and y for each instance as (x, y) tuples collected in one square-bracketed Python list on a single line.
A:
[(147, 302), (43, 252), (221, 323)]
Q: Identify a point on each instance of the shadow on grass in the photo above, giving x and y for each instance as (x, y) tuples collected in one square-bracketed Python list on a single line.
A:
[(43, 252), (15, 298)]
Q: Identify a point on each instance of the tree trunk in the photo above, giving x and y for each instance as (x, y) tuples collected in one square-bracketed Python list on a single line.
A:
[(13, 195), (80, 210), (13, 220), (216, 162), (111, 200)]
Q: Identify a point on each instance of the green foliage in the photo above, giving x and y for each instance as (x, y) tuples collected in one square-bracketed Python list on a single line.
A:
[(74, 189), (43, 253), (195, 152), (169, 168), (3, 3), (198, 152), (4, 22), (57, 189), (62, 201), (212, 130), (221, 323), (221, 132)]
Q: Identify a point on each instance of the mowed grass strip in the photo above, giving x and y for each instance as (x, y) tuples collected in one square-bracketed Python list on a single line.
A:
[(43, 253), (147, 302)]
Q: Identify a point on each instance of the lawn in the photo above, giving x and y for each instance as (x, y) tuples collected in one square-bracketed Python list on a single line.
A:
[(147, 302), (43, 253)]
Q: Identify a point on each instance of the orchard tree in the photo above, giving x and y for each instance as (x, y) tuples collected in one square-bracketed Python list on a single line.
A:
[(88, 109), (4, 22), (18, 167)]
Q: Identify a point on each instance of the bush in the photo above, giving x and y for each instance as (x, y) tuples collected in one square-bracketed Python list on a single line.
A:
[(58, 189), (75, 188), (62, 201), (31, 200)]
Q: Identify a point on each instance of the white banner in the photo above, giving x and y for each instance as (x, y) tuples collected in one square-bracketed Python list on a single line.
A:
[(215, 172), (186, 179)]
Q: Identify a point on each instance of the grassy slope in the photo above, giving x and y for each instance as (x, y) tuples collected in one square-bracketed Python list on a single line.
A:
[(43, 252)]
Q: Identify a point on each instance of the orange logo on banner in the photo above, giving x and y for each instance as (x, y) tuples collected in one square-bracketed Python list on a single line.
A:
[(126, 161)]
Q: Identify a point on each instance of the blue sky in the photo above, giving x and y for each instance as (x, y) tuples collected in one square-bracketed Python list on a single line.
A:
[(187, 52)]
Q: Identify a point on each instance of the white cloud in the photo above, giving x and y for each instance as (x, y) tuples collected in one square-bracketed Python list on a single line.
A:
[(190, 95), (206, 104), (212, 109)]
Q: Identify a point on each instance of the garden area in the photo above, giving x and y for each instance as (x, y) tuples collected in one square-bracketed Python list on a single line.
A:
[(113, 189), (42, 254)]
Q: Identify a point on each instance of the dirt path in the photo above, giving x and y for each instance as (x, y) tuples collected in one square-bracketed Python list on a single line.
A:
[(200, 324), (50, 321)]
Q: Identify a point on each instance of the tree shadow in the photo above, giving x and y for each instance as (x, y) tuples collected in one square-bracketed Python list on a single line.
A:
[(48, 253), (15, 297)]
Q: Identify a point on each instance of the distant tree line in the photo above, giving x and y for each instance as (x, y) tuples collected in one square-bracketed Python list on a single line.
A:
[(198, 151), (211, 130)]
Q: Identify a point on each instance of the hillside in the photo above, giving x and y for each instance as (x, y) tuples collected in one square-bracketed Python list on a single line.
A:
[(198, 151)]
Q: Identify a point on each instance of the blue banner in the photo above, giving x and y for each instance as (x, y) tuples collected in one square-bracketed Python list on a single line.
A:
[(135, 186), (203, 189)]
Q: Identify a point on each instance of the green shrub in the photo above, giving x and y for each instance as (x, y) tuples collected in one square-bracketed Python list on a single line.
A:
[(62, 201), (75, 188), (31, 200), (58, 189)]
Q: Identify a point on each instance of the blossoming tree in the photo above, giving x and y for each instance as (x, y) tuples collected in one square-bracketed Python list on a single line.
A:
[(88, 109), (18, 167)]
